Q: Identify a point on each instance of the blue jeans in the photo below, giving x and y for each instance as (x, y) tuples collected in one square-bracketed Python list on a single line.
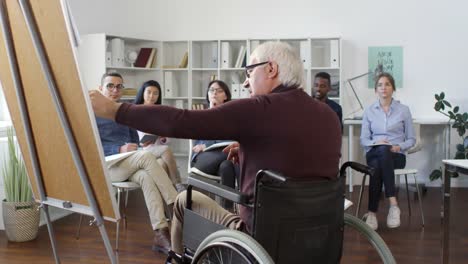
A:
[(384, 162)]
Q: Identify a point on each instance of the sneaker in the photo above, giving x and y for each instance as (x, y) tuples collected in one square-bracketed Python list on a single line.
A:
[(371, 221), (393, 217)]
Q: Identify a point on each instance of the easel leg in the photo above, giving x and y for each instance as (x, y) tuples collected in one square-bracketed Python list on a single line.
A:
[(45, 208), (107, 243)]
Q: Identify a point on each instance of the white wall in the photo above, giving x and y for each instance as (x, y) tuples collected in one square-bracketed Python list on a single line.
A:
[(433, 35)]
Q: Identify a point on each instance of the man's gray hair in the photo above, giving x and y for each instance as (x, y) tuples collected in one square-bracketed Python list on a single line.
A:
[(290, 67)]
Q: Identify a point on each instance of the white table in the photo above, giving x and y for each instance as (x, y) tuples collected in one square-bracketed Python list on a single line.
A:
[(422, 121), (460, 166)]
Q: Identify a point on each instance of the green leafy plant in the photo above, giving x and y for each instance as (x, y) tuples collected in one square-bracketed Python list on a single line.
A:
[(459, 122), (15, 179)]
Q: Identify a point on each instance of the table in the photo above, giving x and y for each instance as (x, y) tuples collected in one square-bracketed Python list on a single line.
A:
[(460, 166), (422, 121)]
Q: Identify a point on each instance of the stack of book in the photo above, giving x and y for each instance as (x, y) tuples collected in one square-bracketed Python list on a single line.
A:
[(146, 58), (198, 106), (129, 94)]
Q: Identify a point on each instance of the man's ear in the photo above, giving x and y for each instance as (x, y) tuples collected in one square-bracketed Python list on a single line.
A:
[(272, 70)]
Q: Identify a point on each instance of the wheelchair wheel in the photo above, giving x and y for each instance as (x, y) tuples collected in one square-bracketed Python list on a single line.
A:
[(231, 246), (374, 238)]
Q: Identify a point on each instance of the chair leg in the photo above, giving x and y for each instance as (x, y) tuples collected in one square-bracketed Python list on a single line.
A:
[(360, 194), (77, 235), (419, 199), (407, 194)]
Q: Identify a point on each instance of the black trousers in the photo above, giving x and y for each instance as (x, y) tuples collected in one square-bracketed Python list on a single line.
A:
[(384, 162), (215, 162)]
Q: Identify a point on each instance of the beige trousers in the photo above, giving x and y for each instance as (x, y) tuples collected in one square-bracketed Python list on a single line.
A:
[(206, 207), (142, 168)]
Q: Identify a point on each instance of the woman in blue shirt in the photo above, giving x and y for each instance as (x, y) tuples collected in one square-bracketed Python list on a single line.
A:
[(387, 133)]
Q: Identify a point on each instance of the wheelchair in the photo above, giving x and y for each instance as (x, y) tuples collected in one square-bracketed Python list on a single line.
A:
[(294, 221)]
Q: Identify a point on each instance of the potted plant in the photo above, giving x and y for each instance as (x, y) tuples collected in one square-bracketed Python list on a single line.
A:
[(460, 122), (20, 211)]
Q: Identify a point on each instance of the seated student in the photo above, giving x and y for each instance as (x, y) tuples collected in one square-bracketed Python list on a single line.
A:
[(154, 181), (215, 161), (321, 87), (387, 132), (149, 94), (280, 127)]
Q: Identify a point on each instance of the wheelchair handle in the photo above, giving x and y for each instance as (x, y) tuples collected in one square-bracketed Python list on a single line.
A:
[(356, 166), (269, 173)]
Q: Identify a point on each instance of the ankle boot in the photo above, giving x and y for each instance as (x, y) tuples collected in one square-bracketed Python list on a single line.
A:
[(162, 240)]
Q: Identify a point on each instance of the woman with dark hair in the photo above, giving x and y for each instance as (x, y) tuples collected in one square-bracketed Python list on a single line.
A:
[(150, 93), (387, 133), (215, 161)]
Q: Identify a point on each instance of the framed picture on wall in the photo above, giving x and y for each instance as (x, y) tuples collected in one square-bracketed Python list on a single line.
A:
[(391, 60)]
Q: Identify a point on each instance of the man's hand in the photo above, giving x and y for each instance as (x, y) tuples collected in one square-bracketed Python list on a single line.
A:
[(395, 148), (102, 106), (147, 143), (233, 152), (128, 147), (199, 148)]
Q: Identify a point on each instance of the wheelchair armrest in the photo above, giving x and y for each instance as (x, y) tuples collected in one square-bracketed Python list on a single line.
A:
[(356, 166), (219, 189)]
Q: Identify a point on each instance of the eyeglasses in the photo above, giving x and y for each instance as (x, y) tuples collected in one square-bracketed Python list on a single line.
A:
[(111, 86), (215, 90), (250, 68)]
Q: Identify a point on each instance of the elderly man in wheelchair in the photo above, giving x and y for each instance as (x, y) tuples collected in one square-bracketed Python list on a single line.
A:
[(294, 221), (279, 128)]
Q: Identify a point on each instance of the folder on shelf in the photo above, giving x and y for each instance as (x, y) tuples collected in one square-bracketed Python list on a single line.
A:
[(253, 45), (334, 53), (184, 61), (244, 92), (143, 57), (235, 90), (305, 53), (226, 55), (240, 57), (168, 84)]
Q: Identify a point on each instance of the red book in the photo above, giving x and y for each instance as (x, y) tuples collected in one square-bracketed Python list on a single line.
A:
[(143, 57)]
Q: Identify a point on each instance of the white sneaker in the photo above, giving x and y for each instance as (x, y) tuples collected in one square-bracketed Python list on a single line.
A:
[(371, 221), (393, 217)]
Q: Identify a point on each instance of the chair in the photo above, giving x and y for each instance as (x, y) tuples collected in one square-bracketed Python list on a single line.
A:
[(399, 172), (306, 231), (121, 188)]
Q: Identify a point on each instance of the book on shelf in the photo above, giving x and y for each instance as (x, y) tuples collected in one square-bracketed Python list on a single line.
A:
[(240, 57), (198, 106), (184, 61), (212, 77), (143, 57), (129, 92), (152, 58)]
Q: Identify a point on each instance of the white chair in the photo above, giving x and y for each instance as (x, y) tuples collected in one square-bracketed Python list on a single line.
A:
[(408, 171), (121, 188), (196, 171)]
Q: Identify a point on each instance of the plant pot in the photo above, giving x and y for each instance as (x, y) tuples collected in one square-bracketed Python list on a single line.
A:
[(21, 220)]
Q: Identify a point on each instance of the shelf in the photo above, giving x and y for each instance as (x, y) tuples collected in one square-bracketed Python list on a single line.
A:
[(175, 98), (324, 68), (175, 69), (232, 69), (204, 69), (198, 98), (133, 68)]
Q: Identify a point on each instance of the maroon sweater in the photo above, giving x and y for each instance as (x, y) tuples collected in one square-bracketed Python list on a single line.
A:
[(286, 131)]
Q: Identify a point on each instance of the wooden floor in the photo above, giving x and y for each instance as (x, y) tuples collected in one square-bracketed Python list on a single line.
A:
[(409, 243)]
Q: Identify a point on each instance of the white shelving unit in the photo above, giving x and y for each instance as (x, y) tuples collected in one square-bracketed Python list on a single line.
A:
[(184, 81)]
